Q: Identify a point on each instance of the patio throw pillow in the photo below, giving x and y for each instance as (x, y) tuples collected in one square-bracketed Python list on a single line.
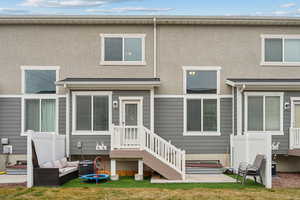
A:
[(64, 162), (57, 164)]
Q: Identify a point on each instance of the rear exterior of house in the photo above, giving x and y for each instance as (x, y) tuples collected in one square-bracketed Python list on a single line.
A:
[(157, 90)]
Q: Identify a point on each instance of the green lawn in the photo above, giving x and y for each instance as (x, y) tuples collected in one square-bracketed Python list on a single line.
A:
[(128, 189), (129, 182)]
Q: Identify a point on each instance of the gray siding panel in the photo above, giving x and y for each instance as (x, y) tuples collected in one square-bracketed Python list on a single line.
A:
[(169, 125), (10, 124), (89, 142), (284, 140), (62, 116)]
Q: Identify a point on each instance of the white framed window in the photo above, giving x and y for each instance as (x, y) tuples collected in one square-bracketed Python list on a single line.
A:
[(201, 80), (92, 113), (39, 79), (39, 99), (123, 49), (264, 112), (201, 116), (201, 86), (280, 50), (39, 114)]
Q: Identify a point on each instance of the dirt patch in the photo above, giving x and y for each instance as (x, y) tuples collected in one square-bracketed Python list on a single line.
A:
[(286, 180)]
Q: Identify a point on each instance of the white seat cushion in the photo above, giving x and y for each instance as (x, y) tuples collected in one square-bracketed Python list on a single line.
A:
[(66, 170), (73, 164)]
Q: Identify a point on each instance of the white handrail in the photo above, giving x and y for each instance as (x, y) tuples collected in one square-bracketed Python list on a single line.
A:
[(294, 138), (139, 137)]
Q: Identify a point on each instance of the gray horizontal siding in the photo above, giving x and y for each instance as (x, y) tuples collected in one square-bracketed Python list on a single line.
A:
[(62, 116), (89, 142), (169, 125), (10, 124)]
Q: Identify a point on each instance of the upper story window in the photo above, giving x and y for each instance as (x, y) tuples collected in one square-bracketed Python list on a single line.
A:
[(39, 80), (264, 112), (201, 80), (91, 113), (280, 50), (201, 102), (123, 49)]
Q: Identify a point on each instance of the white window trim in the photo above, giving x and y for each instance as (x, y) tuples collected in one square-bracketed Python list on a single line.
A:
[(264, 94), (201, 133), (216, 96), (23, 68), (283, 37), (103, 62), (201, 68), (39, 97), (91, 132)]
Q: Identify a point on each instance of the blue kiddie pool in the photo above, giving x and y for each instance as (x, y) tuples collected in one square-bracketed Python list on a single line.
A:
[(95, 177)]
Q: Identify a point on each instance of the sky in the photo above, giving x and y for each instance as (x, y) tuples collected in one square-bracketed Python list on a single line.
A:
[(152, 7)]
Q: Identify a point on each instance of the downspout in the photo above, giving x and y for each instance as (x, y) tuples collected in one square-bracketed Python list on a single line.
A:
[(154, 49)]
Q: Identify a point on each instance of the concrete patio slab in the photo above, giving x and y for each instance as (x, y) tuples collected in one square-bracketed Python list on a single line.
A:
[(197, 178), (7, 179)]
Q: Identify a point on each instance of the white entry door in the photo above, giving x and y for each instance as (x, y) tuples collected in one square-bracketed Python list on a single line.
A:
[(131, 118), (295, 119)]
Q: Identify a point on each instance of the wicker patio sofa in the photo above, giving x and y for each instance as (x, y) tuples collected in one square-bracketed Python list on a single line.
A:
[(49, 174)]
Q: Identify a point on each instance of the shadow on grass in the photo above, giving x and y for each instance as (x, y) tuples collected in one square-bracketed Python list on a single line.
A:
[(129, 182)]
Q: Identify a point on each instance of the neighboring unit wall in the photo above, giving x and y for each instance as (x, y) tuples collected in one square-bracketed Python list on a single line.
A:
[(10, 124), (90, 141), (168, 124)]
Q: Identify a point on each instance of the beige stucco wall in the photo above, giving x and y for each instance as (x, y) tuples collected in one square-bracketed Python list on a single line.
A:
[(237, 49), (76, 49)]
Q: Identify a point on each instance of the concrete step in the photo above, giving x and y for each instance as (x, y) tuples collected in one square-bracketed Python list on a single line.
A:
[(200, 170)]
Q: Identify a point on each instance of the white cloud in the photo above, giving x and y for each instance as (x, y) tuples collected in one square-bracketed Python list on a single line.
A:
[(129, 9), (66, 3), (281, 12), (288, 5), (13, 11)]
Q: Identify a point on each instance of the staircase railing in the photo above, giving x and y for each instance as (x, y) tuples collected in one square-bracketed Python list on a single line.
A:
[(294, 138), (139, 137)]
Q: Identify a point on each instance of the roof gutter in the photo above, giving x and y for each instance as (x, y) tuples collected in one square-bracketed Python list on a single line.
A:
[(143, 20)]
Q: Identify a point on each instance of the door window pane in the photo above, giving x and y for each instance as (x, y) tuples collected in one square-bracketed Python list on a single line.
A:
[(273, 50), (113, 49), (292, 50), (131, 115), (201, 82), (193, 115), (100, 113), (272, 107), (48, 115), (255, 113), (40, 81), (83, 112), (32, 115), (132, 49), (209, 115)]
